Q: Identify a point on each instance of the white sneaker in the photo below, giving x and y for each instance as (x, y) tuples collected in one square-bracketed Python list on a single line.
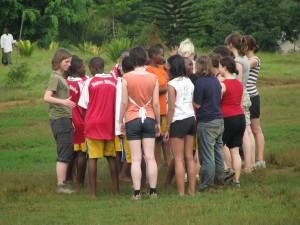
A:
[(185, 178), (259, 164), (65, 189)]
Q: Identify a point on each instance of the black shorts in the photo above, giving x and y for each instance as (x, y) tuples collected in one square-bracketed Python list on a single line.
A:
[(62, 130), (234, 128), (136, 130), (255, 107), (181, 128)]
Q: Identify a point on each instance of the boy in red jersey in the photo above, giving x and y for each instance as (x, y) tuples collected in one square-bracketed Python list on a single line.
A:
[(75, 81), (98, 103)]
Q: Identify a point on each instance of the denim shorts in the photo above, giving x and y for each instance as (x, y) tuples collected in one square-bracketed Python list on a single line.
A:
[(62, 130), (136, 130)]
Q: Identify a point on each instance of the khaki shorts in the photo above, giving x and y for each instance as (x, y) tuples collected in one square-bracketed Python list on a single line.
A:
[(100, 148), (246, 106)]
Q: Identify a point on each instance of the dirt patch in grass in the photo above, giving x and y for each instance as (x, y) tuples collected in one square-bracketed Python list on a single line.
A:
[(4, 105)]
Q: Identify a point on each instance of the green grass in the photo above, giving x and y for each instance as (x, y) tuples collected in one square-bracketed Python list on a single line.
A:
[(28, 157), (40, 70)]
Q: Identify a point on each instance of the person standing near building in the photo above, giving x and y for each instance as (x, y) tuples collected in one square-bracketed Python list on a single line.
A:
[(7, 42)]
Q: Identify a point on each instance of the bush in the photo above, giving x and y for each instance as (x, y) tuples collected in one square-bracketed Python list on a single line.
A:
[(89, 47), (116, 46), (53, 45), (26, 48), (17, 75)]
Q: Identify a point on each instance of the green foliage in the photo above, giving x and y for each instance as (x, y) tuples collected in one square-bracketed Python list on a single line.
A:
[(26, 48), (17, 75), (53, 45), (207, 23), (89, 47), (116, 46)]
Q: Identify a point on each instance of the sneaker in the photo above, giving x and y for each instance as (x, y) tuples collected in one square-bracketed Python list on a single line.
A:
[(153, 196), (259, 164), (247, 171), (136, 197), (185, 178), (229, 173), (65, 189), (235, 184), (197, 178)]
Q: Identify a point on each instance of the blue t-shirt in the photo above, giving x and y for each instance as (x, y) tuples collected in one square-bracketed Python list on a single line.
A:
[(207, 94)]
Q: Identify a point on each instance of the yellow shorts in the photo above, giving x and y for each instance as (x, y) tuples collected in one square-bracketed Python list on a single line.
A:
[(163, 123), (100, 148), (126, 146), (195, 146), (80, 147)]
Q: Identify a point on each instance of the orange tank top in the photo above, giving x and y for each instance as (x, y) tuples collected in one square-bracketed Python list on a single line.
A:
[(140, 86)]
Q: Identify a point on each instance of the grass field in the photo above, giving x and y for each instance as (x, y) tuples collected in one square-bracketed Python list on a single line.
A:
[(27, 164)]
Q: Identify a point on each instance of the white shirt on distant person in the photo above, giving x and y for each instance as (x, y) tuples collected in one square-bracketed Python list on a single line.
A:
[(7, 41)]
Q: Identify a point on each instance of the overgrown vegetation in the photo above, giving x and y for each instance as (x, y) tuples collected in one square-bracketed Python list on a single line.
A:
[(116, 46), (207, 23), (26, 48), (89, 47), (17, 75)]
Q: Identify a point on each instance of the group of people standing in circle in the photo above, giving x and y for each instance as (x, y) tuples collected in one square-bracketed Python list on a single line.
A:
[(204, 110)]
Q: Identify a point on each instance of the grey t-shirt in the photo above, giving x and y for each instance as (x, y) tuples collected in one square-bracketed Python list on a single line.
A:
[(244, 61), (58, 85)]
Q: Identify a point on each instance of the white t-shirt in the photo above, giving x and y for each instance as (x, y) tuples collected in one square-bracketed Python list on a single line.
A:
[(184, 98), (118, 106), (6, 42)]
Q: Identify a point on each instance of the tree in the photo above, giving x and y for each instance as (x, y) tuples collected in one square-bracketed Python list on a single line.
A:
[(176, 20), (260, 18), (291, 24)]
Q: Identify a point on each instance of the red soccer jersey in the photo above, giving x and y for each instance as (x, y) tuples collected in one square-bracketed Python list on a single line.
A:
[(114, 72), (85, 77), (99, 99), (76, 85), (232, 98)]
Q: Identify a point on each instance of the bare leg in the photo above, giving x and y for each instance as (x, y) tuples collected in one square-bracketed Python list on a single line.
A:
[(119, 163), (71, 167), (144, 176), (227, 158), (247, 149), (158, 145), (166, 152), (259, 137), (236, 163), (81, 168), (197, 163), (151, 166), (123, 174), (136, 157), (170, 174), (61, 171), (92, 172), (112, 163), (190, 164), (177, 146)]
